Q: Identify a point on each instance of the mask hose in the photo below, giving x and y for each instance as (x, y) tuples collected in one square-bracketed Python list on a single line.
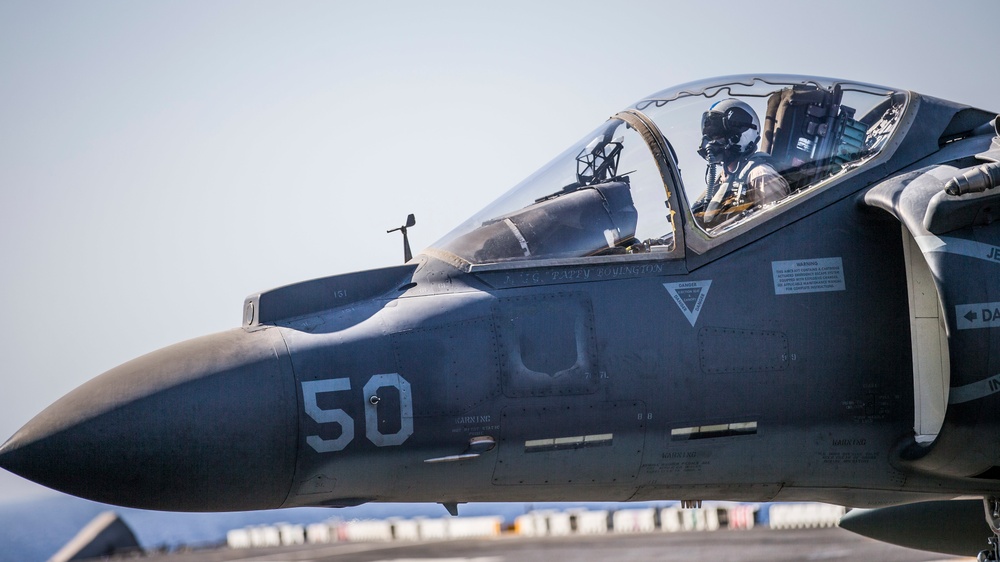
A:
[(711, 179)]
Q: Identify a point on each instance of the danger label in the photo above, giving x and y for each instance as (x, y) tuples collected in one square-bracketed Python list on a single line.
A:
[(981, 315), (689, 296), (818, 275)]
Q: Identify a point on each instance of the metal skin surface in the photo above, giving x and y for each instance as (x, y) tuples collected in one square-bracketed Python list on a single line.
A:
[(953, 527), (697, 375), (204, 424)]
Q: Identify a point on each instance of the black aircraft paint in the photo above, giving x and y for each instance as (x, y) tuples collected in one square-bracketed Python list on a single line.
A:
[(601, 333)]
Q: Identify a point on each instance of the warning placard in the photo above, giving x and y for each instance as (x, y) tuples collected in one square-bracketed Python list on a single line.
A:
[(980, 315), (689, 296), (808, 276)]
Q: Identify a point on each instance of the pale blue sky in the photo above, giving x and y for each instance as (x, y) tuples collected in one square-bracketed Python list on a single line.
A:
[(159, 161)]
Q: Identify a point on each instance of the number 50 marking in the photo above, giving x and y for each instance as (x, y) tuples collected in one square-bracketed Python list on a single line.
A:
[(310, 389)]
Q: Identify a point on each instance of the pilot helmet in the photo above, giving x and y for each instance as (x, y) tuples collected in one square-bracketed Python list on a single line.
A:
[(730, 130)]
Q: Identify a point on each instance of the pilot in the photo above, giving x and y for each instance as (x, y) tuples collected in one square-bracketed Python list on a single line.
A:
[(739, 179)]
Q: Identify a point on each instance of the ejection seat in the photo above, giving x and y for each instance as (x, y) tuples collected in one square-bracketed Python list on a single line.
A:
[(809, 134)]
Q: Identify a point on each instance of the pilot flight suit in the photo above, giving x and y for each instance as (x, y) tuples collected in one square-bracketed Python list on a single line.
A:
[(754, 184)]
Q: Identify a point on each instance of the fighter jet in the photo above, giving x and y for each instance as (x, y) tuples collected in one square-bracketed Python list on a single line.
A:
[(751, 288)]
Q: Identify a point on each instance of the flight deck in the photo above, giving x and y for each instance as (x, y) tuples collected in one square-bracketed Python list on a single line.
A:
[(756, 545)]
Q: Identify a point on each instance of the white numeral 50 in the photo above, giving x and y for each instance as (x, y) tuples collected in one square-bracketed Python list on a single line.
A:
[(310, 389)]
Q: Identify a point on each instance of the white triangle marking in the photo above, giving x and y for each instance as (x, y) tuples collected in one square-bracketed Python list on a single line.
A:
[(689, 296)]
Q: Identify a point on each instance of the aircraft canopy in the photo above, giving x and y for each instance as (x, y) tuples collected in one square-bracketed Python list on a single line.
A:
[(628, 187)]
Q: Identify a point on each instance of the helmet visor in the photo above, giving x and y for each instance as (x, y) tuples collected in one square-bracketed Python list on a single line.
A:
[(713, 125), (731, 123)]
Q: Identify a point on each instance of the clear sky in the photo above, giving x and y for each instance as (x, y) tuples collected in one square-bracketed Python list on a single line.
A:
[(159, 161)]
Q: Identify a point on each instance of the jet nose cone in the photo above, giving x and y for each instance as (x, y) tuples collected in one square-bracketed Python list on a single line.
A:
[(204, 425)]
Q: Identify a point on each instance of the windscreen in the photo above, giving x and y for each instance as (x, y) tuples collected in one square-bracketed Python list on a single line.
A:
[(603, 196)]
